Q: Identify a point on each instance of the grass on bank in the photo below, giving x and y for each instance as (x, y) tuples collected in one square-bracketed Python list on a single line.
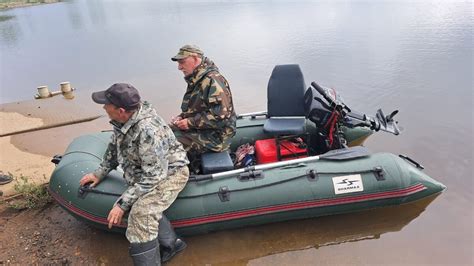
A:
[(29, 195)]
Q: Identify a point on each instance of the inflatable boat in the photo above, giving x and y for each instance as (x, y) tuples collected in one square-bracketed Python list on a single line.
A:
[(301, 158)]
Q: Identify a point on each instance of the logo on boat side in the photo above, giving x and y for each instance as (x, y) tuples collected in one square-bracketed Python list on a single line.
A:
[(347, 184)]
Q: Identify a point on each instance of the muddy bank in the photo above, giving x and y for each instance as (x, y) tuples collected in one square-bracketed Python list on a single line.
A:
[(23, 3), (51, 236)]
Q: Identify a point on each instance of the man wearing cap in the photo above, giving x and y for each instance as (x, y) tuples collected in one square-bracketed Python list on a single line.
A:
[(207, 120), (155, 169)]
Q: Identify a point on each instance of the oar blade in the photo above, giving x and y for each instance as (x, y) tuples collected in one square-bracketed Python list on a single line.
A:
[(346, 153)]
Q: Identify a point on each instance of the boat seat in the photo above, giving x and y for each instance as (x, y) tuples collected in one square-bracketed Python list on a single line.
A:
[(285, 101), (286, 105), (285, 126), (214, 162)]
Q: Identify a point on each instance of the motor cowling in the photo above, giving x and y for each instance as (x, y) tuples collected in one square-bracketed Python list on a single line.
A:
[(316, 110)]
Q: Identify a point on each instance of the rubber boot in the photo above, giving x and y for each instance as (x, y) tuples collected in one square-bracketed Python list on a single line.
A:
[(145, 254), (170, 244)]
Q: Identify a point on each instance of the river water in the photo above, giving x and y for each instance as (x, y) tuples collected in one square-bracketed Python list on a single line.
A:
[(415, 56)]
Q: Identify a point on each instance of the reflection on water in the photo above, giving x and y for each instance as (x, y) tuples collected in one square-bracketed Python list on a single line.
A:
[(3, 18), (75, 16), (254, 243), (10, 32)]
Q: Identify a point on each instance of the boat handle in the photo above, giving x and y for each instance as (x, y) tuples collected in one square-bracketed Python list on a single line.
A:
[(251, 175), (224, 193)]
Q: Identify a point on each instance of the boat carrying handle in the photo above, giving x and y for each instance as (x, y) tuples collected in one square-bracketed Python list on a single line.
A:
[(251, 175), (82, 191), (56, 159)]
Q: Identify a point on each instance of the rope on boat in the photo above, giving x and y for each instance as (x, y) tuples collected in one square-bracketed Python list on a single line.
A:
[(71, 152), (83, 190), (278, 182), (243, 189)]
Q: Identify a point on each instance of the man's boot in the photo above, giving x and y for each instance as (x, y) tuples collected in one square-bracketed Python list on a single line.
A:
[(145, 254), (170, 244)]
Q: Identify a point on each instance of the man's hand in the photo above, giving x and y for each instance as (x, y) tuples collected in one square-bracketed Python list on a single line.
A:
[(175, 119), (115, 216), (89, 178), (182, 124)]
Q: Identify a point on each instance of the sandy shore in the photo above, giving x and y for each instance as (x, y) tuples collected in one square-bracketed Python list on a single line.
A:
[(31, 132), (17, 122), (22, 3), (37, 168), (16, 162)]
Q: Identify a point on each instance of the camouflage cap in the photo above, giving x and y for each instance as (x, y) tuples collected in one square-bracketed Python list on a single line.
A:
[(186, 51)]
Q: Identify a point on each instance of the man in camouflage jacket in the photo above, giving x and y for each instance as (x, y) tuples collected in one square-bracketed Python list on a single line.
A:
[(154, 165), (207, 120)]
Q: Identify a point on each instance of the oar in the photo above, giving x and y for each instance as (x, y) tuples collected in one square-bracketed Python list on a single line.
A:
[(334, 155)]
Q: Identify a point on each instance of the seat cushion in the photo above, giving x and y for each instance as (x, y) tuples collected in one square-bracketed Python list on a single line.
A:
[(214, 162), (285, 126)]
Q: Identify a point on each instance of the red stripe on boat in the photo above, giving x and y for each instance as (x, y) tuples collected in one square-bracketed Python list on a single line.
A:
[(82, 213), (297, 206), (258, 211)]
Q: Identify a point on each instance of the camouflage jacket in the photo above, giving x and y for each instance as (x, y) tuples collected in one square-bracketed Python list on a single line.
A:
[(147, 151), (207, 103)]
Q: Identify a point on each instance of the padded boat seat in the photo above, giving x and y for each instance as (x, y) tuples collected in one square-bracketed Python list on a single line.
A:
[(285, 106), (285, 101), (214, 162), (285, 126)]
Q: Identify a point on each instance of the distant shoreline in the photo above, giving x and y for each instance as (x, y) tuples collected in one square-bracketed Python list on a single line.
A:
[(7, 4)]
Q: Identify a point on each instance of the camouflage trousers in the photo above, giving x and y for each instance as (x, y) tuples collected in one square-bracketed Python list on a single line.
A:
[(147, 210), (200, 142)]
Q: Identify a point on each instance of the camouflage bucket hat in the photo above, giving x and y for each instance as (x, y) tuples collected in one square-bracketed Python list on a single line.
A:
[(186, 51)]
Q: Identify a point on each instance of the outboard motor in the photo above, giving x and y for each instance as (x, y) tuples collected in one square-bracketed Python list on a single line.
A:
[(325, 107), (320, 110)]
